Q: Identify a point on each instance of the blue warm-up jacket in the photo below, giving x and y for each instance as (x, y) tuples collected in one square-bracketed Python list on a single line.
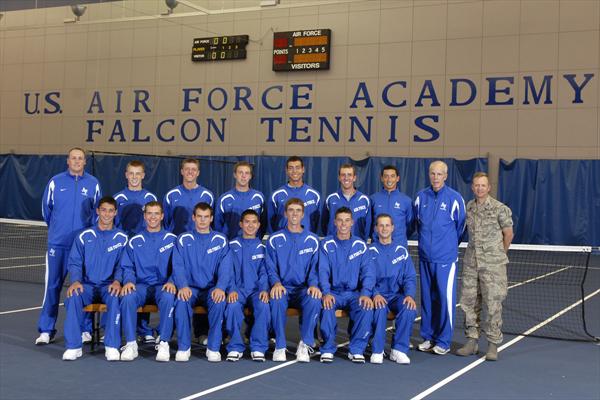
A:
[(399, 206), (249, 269), (292, 259), (179, 205), (130, 209), (230, 207), (359, 204), (394, 270), (148, 258), (312, 207)]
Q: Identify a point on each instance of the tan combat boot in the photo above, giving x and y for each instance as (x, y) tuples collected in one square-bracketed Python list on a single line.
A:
[(471, 347), (492, 352)]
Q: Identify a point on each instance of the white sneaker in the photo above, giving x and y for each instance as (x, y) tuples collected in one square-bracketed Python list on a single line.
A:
[(399, 357), (163, 353), (44, 338), (326, 358), (86, 337), (72, 354), (183, 355), (257, 356), (203, 340), (425, 346), (376, 358), (112, 354), (129, 352), (157, 341), (213, 356), (234, 356), (149, 339), (279, 355), (356, 358), (439, 350), (303, 353)]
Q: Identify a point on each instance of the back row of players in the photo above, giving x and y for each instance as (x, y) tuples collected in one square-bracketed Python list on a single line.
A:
[(128, 259)]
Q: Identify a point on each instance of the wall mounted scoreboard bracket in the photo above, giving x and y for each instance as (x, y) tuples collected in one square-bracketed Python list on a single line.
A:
[(220, 48), (301, 50)]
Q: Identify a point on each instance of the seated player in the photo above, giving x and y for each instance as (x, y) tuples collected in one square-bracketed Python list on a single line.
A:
[(94, 269), (347, 278), (146, 267), (394, 291), (202, 272), (292, 267), (249, 286)]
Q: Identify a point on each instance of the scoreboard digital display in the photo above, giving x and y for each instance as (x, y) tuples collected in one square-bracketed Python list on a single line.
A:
[(220, 48), (301, 50)]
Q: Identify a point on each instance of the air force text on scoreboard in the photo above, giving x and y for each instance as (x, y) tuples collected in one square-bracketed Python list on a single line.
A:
[(286, 113)]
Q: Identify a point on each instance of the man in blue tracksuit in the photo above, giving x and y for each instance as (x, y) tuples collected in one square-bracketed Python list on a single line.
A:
[(234, 202), (147, 269), (249, 287), (347, 278), (292, 257), (180, 201), (68, 205), (440, 219), (295, 188), (347, 196), (390, 200), (95, 273), (202, 272), (394, 291)]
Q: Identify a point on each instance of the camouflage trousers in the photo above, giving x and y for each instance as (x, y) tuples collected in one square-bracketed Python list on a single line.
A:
[(484, 288)]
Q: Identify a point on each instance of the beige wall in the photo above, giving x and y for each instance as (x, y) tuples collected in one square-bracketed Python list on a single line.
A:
[(126, 45)]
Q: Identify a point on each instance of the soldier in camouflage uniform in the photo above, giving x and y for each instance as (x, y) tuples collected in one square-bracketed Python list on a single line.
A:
[(484, 268)]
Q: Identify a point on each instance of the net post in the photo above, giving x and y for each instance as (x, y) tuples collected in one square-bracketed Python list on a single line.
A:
[(582, 287)]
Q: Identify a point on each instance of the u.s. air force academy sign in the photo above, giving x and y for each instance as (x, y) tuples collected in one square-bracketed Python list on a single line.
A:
[(293, 119)]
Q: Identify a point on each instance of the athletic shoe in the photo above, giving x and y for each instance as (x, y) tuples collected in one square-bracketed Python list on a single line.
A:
[(112, 354), (213, 356), (470, 348), (44, 338), (129, 352), (492, 352), (183, 355), (234, 356), (148, 339), (163, 354), (356, 358), (426, 346), (303, 353), (326, 358), (399, 357), (376, 358), (440, 350), (86, 337), (203, 340), (72, 354), (257, 356), (279, 355), (102, 339), (157, 340)]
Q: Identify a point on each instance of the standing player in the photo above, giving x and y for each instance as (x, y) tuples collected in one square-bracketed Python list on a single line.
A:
[(394, 291), (348, 196), (179, 203), (440, 215), (292, 267), (147, 271), (202, 272), (391, 201), (347, 279), (234, 202), (484, 282), (95, 273), (295, 188), (68, 205), (249, 286)]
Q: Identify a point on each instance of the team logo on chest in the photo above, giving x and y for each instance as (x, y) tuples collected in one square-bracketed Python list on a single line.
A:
[(396, 205), (51, 252), (84, 191), (443, 206)]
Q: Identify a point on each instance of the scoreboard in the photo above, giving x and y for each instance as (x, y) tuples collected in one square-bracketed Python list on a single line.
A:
[(220, 48), (301, 50)]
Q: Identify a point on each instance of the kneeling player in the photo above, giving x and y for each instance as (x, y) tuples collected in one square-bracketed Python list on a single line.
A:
[(249, 286), (394, 291)]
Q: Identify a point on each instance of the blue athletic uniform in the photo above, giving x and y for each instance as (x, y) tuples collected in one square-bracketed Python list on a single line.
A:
[(201, 262), (68, 206), (440, 218), (361, 213), (230, 207), (130, 209), (345, 271), (94, 261), (179, 206), (312, 207), (147, 264), (292, 261), (399, 207), (249, 279), (396, 279)]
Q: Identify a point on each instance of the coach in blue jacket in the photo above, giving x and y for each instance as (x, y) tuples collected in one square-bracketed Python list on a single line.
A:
[(440, 215)]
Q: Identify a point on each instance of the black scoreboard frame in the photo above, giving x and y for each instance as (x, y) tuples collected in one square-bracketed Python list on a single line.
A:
[(304, 50), (220, 48)]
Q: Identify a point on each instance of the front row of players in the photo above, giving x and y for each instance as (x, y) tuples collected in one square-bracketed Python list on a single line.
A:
[(201, 268)]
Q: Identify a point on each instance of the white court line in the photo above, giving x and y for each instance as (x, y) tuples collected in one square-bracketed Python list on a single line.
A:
[(22, 266), (20, 258), (503, 347), (25, 309)]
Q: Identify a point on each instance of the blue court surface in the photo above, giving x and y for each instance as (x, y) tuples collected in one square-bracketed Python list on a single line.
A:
[(528, 367)]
